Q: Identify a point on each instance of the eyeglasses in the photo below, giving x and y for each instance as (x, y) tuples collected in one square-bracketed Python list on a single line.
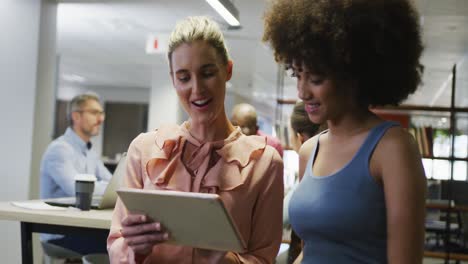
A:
[(93, 112)]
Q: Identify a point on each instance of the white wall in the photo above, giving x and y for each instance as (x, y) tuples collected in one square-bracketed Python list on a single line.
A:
[(46, 84), (164, 107), (19, 48), (114, 94)]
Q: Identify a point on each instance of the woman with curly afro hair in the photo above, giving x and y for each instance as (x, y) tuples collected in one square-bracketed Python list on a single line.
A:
[(362, 194)]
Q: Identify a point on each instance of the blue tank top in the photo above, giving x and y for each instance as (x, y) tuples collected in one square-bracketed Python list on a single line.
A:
[(342, 217)]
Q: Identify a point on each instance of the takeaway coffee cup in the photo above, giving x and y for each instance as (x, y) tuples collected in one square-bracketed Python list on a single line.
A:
[(84, 188)]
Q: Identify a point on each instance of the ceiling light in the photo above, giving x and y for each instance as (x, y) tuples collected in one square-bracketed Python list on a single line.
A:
[(227, 10), (73, 78)]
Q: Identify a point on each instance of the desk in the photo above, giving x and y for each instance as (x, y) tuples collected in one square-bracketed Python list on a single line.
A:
[(443, 205), (56, 222), (448, 230)]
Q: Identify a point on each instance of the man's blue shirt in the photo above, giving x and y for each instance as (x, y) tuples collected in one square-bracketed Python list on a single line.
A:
[(65, 157)]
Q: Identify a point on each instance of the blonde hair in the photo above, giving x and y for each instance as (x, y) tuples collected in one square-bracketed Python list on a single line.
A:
[(195, 28)]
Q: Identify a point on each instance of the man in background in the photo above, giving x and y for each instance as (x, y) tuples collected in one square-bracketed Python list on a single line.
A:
[(72, 154), (245, 116)]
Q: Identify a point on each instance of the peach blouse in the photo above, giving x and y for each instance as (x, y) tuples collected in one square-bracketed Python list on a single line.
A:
[(243, 170)]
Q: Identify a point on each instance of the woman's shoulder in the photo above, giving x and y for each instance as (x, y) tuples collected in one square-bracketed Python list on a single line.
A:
[(397, 137), (397, 144), (262, 144), (308, 146), (267, 153), (247, 148)]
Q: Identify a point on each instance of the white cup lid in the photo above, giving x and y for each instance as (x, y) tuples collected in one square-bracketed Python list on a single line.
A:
[(85, 177)]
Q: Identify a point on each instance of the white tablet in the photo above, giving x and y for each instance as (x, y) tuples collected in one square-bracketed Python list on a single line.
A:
[(198, 220)]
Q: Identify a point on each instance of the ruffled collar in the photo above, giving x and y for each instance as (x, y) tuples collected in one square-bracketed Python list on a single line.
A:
[(166, 170), (236, 147)]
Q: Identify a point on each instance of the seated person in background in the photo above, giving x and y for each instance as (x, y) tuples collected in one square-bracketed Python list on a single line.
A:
[(69, 155), (245, 116), (303, 129), (206, 154)]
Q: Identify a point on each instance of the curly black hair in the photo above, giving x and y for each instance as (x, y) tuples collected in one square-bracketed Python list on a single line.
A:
[(373, 46)]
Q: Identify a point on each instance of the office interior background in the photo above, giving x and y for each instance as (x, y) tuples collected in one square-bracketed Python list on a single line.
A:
[(53, 50)]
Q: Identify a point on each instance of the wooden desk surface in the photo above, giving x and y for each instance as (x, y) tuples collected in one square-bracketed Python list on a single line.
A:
[(69, 217)]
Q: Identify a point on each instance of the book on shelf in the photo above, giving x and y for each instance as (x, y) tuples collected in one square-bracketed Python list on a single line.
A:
[(424, 138)]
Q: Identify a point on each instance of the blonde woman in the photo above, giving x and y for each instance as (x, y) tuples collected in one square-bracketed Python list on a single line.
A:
[(204, 154)]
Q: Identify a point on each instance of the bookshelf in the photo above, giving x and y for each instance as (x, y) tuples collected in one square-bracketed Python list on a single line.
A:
[(425, 136)]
